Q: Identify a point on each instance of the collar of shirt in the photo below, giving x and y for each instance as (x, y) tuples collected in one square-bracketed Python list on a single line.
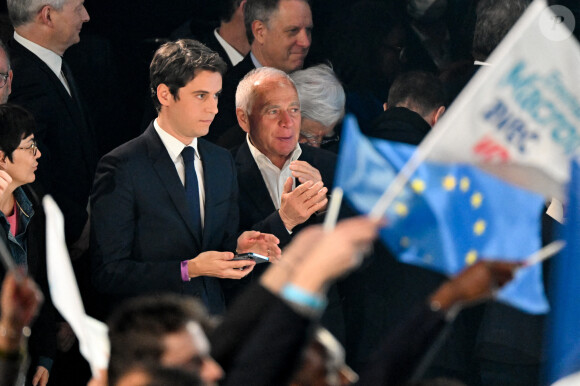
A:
[(255, 61), (274, 178), (52, 60), (173, 145), (232, 53), (174, 148)]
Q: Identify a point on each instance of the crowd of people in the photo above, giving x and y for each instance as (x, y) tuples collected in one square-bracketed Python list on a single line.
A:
[(234, 151)]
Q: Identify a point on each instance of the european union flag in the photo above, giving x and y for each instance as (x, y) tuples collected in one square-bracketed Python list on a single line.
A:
[(448, 216), (564, 332)]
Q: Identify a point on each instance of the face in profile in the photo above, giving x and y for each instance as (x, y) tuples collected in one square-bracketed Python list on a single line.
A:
[(68, 22), (274, 122), (24, 162), (288, 35)]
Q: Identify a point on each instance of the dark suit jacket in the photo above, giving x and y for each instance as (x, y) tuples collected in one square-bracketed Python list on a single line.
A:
[(257, 211), (67, 143), (139, 228), (260, 339), (226, 117), (42, 342)]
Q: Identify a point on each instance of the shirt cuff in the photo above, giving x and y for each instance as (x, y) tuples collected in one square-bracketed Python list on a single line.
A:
[(184, 271)]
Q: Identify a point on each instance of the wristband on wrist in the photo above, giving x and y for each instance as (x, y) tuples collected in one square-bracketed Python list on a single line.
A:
[(297, 295), (184, 271)]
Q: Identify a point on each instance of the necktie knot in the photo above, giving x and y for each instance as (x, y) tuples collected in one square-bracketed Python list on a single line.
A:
[(188, 154)]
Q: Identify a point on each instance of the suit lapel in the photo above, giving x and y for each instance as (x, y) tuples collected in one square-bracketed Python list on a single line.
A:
[(251, 182), (212, 182), (87, 139), (165, 169)]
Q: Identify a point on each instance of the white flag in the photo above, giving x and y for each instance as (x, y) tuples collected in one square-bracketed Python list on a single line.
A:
[(64, 292), (519, 118)]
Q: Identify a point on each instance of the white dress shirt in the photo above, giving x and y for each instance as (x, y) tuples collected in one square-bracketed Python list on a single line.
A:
[(52, 59), (233, 54), (174, 148), (272, 175)]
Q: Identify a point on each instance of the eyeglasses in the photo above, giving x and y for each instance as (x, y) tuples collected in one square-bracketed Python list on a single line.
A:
[(315, 140), (3, 79), (33, 146)]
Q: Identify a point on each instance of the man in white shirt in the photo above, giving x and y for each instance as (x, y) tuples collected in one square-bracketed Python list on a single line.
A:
[(282, 185), (151, 232), (280, 34), (43, 84)]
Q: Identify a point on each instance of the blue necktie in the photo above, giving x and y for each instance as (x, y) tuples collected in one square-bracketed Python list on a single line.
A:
[(192, 188)]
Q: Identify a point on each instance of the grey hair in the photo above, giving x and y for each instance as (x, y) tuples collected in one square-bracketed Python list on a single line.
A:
[(321, 95), (246, 91), (23, 11), (6, 54), (260, 10)]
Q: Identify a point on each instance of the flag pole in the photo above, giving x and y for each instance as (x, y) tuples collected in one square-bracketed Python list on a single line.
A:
[(333, 209)]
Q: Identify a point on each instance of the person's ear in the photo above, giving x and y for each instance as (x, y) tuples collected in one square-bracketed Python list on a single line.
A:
[(259, 30), (44, 16), (3, 160), (385, 106), (164, 95), (436, 115), (243, 119)]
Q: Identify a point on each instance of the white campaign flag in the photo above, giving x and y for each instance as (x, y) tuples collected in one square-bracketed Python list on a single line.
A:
[(519, 118), (64, 292)]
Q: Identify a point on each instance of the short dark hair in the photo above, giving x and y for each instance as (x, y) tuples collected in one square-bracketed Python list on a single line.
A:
[(260, 10), (421, 90), (162, 376), (176, 63), (227, 8), (494, 20), (137, 328), (16, 124)]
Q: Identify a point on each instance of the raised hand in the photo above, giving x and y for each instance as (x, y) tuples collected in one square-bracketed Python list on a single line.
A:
[(299, 204), (264, 244), (304, 171)]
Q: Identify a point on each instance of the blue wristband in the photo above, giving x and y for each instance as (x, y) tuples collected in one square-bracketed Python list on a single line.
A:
[(297, 295)]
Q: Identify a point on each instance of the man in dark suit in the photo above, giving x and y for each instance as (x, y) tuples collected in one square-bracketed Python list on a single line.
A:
[(279, 33), (282, 185), (42, 84), (228, 39), (149, 234)]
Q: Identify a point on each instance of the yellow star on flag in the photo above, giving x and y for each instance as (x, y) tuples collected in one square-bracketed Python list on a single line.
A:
[(401, 209), (418, 186), (449, 183), (476, 200), (471, 257), (479, 227), (464, 184)]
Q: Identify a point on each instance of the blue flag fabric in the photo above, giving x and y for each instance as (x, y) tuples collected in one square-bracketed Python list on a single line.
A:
[(448, 216), (564, 326)]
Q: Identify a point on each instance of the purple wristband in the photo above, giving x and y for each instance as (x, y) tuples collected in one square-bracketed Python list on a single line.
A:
[(184, 271)]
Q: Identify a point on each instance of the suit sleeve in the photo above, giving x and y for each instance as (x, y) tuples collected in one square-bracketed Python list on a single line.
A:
[(113, 226)]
